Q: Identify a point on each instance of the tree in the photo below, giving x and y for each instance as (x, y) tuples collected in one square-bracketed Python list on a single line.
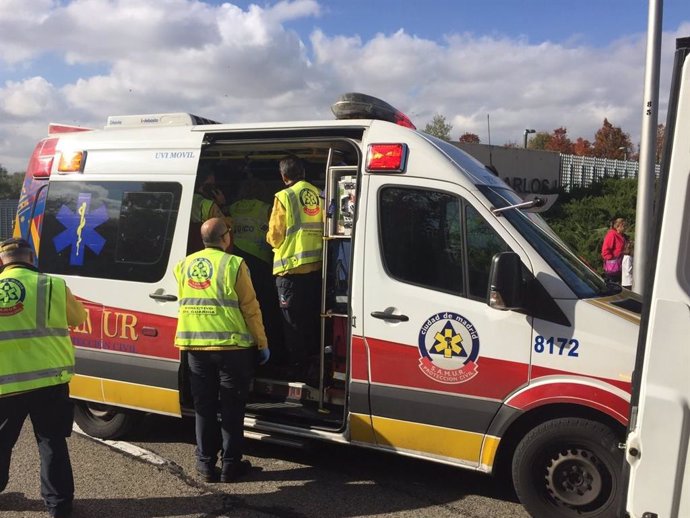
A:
[(470, 138), (438, 127), (560, 142), (540, 140), (10, 184), (612, 142), (581, 217), (582, 147), (660, 136)]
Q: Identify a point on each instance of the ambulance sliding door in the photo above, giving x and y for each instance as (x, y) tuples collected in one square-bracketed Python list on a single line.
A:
[(440, 360)]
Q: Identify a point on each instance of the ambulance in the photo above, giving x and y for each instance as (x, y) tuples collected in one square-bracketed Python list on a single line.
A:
[(658, 444), (455, 325)]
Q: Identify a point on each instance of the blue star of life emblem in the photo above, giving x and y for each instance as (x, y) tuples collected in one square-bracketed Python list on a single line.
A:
[(80, 231)]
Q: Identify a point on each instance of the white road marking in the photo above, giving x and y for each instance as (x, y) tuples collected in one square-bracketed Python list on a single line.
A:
[(128, 448)]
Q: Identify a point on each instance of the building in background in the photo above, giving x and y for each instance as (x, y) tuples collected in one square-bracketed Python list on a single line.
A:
[(8, 210)]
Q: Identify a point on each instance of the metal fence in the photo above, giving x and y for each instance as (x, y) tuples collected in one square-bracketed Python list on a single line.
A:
[(8, 210), (582, 171)]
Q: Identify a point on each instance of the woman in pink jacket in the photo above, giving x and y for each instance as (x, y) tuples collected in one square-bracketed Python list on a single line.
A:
[(612, 250)]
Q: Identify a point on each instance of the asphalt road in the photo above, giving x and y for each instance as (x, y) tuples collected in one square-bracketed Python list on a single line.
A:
[(322, 480)]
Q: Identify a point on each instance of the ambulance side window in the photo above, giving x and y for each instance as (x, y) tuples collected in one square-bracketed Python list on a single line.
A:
[(109, 230), (482, 244), (421, 237)]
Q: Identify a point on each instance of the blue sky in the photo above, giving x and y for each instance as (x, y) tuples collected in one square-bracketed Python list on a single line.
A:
[(529, 63)]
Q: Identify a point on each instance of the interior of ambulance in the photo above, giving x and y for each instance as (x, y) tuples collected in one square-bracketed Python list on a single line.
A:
[(246, 166)]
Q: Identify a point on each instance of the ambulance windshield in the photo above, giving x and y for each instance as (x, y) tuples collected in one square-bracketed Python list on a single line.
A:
[(575, 273)]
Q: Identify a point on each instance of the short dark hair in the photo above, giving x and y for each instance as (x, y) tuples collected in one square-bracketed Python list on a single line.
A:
[(292, 168)]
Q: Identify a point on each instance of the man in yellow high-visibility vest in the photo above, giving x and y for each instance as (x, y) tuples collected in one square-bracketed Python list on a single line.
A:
[(220, 327), (295, 231), (36, 363)]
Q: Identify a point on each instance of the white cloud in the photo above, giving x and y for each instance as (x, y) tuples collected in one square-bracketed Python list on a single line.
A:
[(230, 64)]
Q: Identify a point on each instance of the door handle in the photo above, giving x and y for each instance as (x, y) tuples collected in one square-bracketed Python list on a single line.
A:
[(383, 315), (163, 296)]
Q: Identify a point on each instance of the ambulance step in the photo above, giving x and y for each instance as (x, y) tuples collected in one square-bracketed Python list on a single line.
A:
[(281, 440)]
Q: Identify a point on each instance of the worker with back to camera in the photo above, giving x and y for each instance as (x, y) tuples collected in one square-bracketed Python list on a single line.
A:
[(250, 214), (295, 231), (220, 327), (36, 364)]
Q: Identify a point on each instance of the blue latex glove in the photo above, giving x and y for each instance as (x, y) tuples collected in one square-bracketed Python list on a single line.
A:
[(264, 355)]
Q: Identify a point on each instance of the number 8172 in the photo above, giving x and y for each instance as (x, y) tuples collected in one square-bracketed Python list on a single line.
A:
[(557, 346)]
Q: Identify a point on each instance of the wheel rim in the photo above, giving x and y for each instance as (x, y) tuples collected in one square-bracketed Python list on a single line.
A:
[(101, 412), (575, 478)]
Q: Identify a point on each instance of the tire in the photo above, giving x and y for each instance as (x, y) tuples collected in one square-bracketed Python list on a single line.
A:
[(568, 468), (103, 421)]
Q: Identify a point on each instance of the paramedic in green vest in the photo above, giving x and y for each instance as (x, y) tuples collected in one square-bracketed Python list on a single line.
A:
[(36, 364), (208, 199), (295, 231), (220, 328), (250, 214)]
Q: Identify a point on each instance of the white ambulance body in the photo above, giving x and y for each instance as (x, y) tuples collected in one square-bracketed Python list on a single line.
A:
[(455, 327), (658, 444)]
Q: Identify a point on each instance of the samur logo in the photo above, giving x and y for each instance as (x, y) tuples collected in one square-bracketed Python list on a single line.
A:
[(12, 294), (199, 273), (310, 202), (448, 348)]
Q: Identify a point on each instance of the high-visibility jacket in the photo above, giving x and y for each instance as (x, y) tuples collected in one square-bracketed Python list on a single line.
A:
[(250, 223), (303, 242), (201, 208), (35, 347), (210, 316)]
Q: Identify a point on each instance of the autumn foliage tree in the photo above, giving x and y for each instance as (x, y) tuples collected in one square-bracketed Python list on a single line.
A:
[(560, 142), (470, 138), (611, 142)]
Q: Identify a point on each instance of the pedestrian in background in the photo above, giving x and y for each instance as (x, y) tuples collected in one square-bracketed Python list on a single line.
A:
[(220, 327), (612, 250), (36, 364), (295, 231)]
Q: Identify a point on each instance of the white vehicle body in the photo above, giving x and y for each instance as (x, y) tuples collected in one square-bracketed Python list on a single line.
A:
[(658, 443), (468, 336)]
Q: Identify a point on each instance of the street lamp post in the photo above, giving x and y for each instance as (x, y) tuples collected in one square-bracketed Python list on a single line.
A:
[(527, 132), (625, 152)]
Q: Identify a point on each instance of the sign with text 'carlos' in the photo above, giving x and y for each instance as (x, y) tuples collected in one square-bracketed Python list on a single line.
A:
[(524, 170)]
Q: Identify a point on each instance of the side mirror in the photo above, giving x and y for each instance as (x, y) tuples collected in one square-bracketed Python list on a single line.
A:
[(505, 282)]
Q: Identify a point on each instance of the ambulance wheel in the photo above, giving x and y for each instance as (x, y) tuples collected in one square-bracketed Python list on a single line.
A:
[(103, 421), (568, 468)]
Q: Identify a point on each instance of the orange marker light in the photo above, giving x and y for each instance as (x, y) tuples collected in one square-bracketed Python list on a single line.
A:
[(71, 162)]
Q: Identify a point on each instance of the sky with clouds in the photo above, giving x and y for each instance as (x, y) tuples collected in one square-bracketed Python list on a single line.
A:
[(538, 64)]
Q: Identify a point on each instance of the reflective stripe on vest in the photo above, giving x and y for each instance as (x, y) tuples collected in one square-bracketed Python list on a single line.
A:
[(303, 242), (210, 314), (35, 348)]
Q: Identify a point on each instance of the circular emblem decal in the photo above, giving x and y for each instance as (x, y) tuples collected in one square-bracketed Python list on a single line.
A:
[(448, 348), (199, 273), (310, 202), (12, 294)]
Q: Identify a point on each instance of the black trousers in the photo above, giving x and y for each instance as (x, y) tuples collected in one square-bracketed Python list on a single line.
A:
[(51, 413), (299, 297), (220, 384)]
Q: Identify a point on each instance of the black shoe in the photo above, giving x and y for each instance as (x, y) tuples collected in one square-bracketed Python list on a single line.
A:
[(234, 471), (61, 510), (208, 473)]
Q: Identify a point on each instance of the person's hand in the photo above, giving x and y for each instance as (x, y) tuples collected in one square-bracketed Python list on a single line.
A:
[(264, 355)]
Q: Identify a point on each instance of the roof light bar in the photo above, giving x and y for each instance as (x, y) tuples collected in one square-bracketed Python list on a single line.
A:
[(362, 106)]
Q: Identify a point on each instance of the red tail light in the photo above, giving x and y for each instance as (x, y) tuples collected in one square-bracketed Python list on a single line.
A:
[(386, 157), (41, 161)]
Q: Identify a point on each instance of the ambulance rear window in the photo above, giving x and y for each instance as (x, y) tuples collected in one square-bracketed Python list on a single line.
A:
[(109, 230)]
